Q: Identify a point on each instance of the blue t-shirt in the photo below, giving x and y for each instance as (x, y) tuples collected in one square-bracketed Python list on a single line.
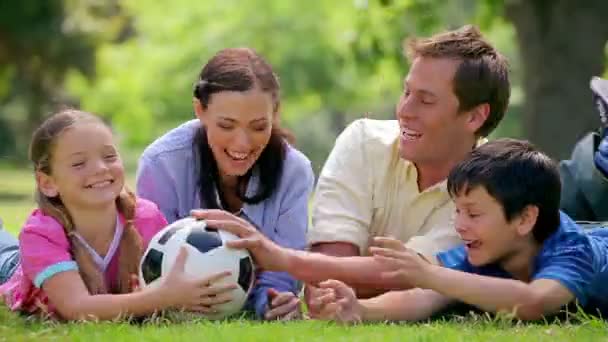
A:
[(576, 258)]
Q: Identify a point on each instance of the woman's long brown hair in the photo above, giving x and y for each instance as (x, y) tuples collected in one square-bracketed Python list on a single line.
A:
[(130, 249)]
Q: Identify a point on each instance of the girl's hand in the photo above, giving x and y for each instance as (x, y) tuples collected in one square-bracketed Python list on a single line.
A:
[(284, 306), (195, 294)]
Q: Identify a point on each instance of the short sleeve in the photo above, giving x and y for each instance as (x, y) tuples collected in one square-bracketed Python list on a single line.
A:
[(571, 264), (44, 249), (455, 258), (441, 237), (342, 203), (149, 220)]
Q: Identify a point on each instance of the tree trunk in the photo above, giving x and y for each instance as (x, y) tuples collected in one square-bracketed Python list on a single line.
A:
[(562, 46)]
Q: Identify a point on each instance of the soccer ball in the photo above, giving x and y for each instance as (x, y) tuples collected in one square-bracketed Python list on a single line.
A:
[(207, 255)]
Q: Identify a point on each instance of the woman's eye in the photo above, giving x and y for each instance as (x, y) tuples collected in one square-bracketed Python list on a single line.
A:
[(110, 157), (260, 128), (78, 164), (224, 126)]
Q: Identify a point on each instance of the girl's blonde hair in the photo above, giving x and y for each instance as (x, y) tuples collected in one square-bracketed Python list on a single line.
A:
[(130, 249)]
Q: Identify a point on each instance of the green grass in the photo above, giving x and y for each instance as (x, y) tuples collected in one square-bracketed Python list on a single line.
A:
[(470, 329), (16, 201)]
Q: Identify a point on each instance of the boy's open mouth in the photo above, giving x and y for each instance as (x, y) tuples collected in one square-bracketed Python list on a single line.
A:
[(472, 243)]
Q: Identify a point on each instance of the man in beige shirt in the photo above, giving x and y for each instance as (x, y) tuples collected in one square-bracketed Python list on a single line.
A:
[(388, 177)]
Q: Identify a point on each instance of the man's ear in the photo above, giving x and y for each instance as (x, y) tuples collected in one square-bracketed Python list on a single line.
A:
[(46, 184), (478, 116), (527, 219)]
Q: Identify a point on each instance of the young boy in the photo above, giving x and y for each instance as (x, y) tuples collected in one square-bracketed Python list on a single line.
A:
[(519, 255)]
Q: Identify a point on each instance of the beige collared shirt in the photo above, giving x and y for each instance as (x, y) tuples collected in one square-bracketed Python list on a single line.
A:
[(365, 190)]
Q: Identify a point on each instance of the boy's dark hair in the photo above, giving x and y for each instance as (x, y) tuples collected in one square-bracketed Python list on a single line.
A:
[(481, 77), (516, 174)]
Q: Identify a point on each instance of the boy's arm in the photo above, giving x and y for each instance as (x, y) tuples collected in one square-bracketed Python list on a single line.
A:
[(527, 301), (411, 305)]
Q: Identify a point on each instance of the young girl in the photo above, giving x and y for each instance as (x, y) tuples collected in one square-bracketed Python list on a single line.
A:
[(80, 250), (235, 156)]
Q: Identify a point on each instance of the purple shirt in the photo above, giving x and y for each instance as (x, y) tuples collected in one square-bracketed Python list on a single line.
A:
[(168, 174)]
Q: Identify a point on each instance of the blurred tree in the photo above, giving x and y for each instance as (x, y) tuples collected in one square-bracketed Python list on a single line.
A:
[(40, 41), (562, 45)]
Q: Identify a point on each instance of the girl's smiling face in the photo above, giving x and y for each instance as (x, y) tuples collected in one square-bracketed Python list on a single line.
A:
[(85, 167)]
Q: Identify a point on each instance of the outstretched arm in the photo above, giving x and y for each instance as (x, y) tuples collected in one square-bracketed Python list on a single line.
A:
[(338, 302), (305, 266), (527, 301)]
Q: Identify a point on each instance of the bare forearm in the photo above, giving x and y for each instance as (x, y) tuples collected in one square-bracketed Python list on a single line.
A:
[(411, 305), (358, 272), (487, 293), (112, 306), (341, 261)]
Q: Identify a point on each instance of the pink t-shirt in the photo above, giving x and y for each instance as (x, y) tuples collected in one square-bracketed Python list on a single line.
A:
[(44, 252)]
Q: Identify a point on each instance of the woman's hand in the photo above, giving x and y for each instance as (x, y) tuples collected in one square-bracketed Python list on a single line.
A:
[(194, 294), (267, 254)]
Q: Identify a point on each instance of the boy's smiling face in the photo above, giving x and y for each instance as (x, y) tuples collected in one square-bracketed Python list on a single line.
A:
[(482, 226)]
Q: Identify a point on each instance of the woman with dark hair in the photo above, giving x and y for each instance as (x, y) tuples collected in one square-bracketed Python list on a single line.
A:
[(234, 156)]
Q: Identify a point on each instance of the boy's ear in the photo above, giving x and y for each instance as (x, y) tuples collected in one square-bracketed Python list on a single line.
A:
[(46, 184), (527, 220)]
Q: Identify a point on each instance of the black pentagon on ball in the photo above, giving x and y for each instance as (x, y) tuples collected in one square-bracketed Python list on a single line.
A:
[(245, 273), (152, 265), (204, 240), (168, 234)]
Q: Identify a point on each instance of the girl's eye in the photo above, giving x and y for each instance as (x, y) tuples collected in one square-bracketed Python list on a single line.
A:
[(111, 157), (78, 164)]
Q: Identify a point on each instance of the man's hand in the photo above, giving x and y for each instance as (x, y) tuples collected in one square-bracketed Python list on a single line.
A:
[(266, 253), (338, 302), (407, 267), (284, 306)]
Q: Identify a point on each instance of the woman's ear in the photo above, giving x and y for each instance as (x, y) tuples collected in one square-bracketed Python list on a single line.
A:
[(46, 184), (199, 111)]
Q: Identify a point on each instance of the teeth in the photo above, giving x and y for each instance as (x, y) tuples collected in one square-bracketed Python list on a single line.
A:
[(100, 184), (411, 133), (238, 155)]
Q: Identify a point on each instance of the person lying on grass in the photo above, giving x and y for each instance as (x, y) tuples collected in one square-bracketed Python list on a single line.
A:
[(519, 254), (79, 252)]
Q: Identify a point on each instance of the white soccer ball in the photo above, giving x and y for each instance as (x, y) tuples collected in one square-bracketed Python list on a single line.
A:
[(207, 255)]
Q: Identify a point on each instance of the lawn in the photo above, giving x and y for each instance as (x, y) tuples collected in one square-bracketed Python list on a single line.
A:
[(16, 201)]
